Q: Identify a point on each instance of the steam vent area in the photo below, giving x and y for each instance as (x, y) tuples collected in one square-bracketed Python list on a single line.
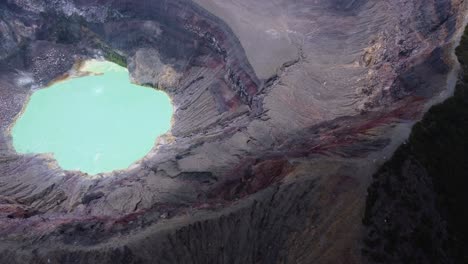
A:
[(233, 131)]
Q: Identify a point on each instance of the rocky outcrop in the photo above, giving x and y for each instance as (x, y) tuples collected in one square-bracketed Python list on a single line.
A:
[(146, 68), (283, 111)]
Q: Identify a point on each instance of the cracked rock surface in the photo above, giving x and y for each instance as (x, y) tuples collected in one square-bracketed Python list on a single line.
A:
[(283, 111)]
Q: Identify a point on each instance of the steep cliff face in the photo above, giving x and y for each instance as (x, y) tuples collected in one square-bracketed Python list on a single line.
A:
[(284, 110), (416, 207)]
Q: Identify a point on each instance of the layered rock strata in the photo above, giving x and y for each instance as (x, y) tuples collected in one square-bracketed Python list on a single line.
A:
[(283, 110)]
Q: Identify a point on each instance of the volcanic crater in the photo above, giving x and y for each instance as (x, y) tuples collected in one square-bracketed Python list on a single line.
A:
[(283, 111)]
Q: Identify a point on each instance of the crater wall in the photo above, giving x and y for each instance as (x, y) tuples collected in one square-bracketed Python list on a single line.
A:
[(284, 110)]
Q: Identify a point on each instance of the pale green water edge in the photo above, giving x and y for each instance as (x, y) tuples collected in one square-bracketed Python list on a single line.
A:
[(96, 123)]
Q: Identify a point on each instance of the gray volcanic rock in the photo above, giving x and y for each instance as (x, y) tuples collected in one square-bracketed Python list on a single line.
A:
[(284, 110), (146, 68)]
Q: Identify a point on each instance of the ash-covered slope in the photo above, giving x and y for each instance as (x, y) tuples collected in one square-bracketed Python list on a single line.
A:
[(284, 110)]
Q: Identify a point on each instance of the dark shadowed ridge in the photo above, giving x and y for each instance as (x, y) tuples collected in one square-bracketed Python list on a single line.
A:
[(416, 206)]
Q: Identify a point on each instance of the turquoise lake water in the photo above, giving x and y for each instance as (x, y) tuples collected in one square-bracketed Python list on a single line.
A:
[(96, 123)]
